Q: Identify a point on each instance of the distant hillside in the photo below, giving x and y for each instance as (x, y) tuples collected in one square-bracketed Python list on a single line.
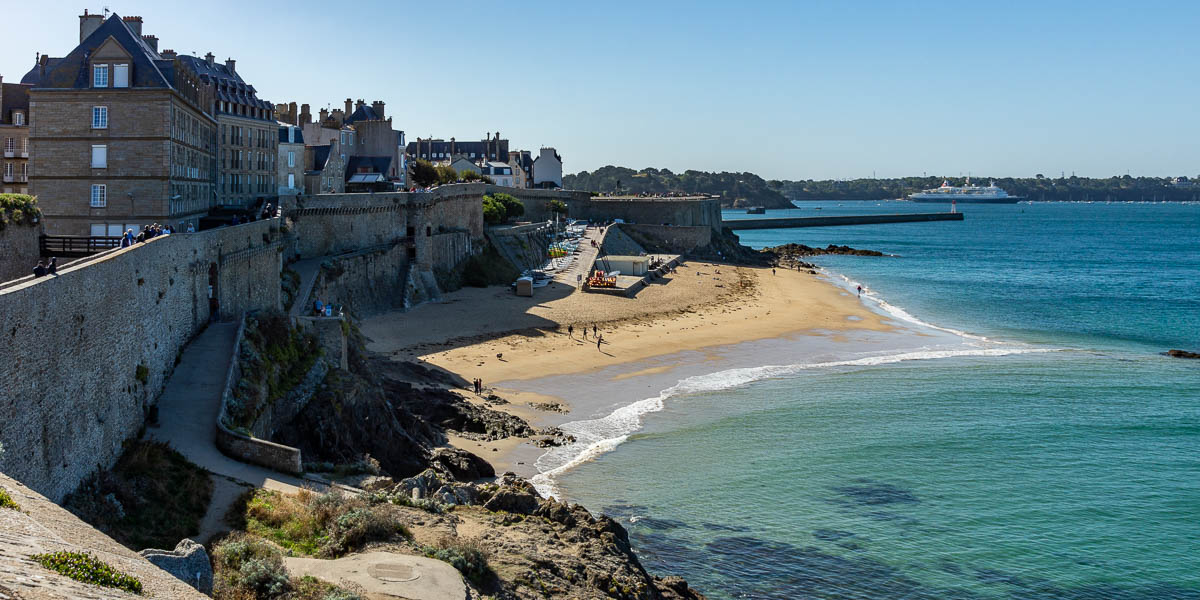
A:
[(1117, 189), (735, 189)]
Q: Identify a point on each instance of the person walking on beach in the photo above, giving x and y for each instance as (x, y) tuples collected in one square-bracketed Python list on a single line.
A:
[(571, 331), (599, 340), (594, 330), (860, 291), (772, 270)]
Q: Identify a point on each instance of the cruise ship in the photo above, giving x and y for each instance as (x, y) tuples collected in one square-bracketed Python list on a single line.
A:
[(968, 194)]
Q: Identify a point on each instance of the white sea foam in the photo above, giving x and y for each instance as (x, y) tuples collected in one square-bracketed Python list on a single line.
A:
[(895, 311), (596, 437)]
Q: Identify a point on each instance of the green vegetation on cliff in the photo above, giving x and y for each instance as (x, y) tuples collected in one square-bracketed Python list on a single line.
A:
[(18, 209), (1116, 189), (84, 567), (152, 498), (735, 189), (275, 358), (249, 568)]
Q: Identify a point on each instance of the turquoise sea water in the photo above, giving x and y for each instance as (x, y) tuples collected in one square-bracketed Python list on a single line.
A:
[(1066, 468)]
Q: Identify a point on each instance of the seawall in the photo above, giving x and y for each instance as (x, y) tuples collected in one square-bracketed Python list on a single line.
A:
[(86, 354), (788, 223)]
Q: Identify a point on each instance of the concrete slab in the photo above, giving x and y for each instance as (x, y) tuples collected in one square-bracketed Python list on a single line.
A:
[(384, 575)]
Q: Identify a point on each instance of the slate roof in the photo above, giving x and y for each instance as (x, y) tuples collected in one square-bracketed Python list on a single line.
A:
[(71, 72), (362, 113), (15, 96), (34, 76), (234, 89), (283, 134), (478, 147), (320, 157), (373, 164)]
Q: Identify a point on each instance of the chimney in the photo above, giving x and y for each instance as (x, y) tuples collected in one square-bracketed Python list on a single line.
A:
[(324, 114), (134, 24), (359, 104), (349, 106), (151, 41), (451, 148), (305, 115), (378, 107), (230, 64), (88, 24), (168, 54), (208, 58)]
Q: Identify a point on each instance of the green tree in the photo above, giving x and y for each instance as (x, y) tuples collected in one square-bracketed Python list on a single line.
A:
[(493, 210), (557, 206), (469, 176), (424, 173), (446, 175), (512, 207)]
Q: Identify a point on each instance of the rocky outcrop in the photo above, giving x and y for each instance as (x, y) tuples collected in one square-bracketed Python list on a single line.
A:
[(796, 250), (1182, 354), (537, 547), (188, 562), (460, 465)]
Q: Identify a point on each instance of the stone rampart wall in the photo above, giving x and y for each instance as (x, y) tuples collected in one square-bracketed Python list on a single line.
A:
[(86, 353), (366, 282), (19, 250), (537, 201), (660, 238), (650, 211), (450, 249)]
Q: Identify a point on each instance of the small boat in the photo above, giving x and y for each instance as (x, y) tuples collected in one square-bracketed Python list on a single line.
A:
[(756, 210)]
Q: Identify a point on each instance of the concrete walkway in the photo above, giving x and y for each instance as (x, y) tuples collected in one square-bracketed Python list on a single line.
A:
[(308, 269), (387, 575), (582, 265), (188, 407)]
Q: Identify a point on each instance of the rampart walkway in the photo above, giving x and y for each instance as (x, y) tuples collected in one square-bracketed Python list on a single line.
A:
[(187, 410)]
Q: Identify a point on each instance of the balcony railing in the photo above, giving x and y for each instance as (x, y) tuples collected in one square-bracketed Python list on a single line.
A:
[(72, 245), (9, 154), (9, 178)]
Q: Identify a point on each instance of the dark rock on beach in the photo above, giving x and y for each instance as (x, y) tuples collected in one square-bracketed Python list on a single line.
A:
[(1182, 354)]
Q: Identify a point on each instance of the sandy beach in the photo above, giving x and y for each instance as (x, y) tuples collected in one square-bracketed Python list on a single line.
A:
[(702, 305)]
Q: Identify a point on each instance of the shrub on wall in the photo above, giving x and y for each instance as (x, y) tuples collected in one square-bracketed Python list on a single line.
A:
[(18, 209)]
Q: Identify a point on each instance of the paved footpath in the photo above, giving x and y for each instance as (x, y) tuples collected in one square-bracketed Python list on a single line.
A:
[(187, 411)]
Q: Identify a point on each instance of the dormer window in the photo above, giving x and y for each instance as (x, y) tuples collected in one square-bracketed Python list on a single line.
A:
[(100, 76), (121, 76), (18, 118)]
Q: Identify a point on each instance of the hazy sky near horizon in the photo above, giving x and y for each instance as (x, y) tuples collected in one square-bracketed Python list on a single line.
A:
[(788, 90)]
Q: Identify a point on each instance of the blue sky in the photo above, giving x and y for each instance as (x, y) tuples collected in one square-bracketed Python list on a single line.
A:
[(791, 90)]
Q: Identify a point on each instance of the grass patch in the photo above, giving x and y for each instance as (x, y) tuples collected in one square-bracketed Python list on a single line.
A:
[(86, 568), (152, 498), (6, 500), (326, 525)]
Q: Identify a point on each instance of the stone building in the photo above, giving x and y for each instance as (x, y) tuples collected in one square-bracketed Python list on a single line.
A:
[(521, 162), (14, 137), (248, 142), (547, 169), (490, 148), (124, 136), (290, 170), (360, 138)]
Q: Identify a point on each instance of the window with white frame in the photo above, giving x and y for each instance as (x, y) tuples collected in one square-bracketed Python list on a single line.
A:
[(10, 145), (100, 76), (8, 170), (291, 181), (18, 118), (99, 117), (100, 157), (121, 76), (291, 160), (25, 145), (99, 195)]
